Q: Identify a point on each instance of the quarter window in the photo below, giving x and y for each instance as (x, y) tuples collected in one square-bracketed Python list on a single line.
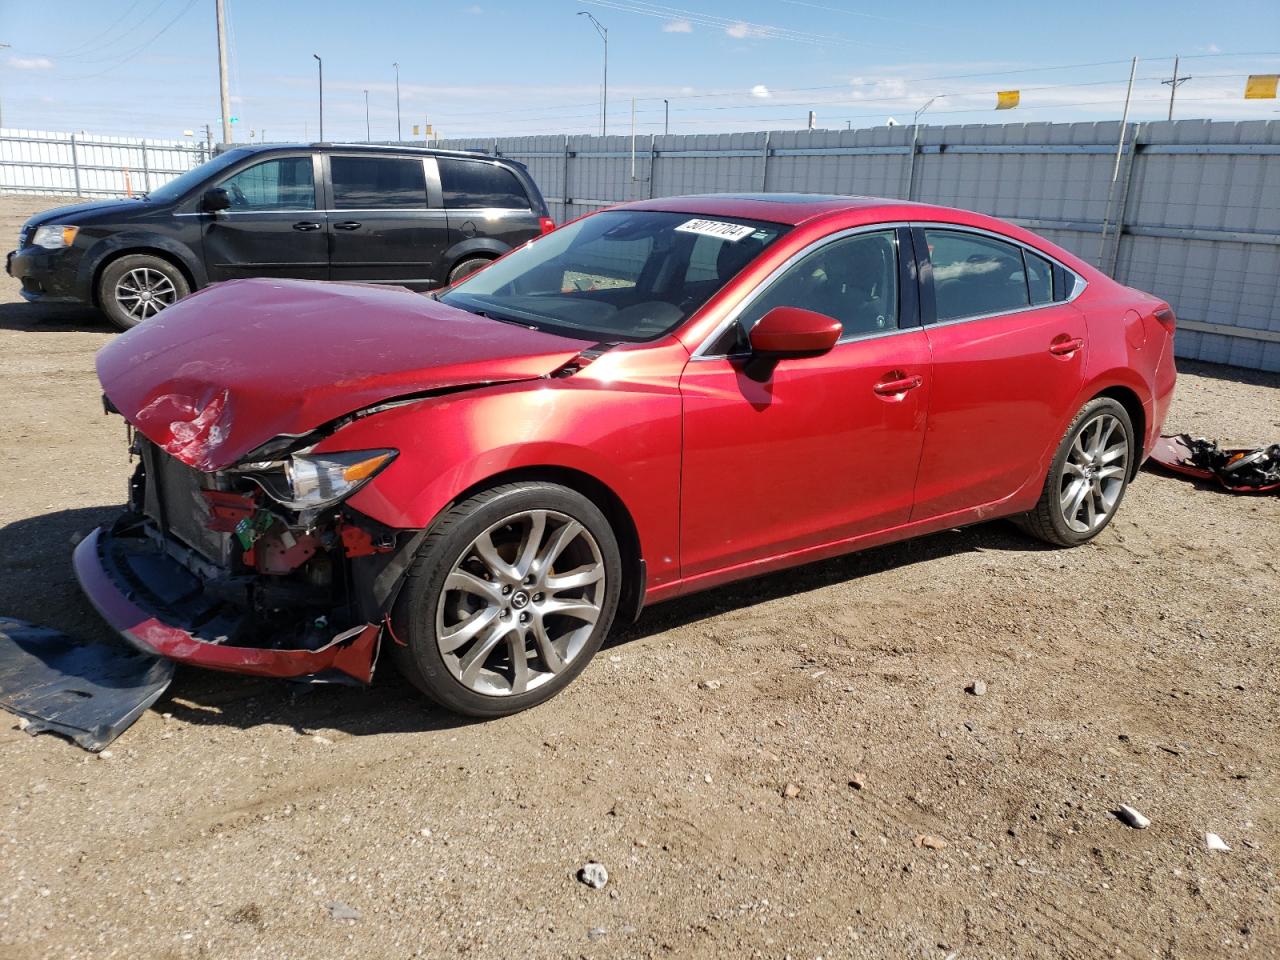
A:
[(284, 184), (975, 275), (378, 183), (475, 185), (1039, 278)]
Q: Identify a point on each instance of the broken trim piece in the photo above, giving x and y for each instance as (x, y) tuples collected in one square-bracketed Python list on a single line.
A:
[(352, 652)]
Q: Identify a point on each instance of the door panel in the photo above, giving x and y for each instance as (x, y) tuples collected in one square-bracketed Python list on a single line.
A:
[(272, 228), (813, 455), (380, 225), (486, 200)]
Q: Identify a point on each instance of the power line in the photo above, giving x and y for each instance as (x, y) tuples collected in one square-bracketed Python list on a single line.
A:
[(138, 49)]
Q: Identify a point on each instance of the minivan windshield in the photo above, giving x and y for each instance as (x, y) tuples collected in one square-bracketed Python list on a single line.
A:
[(175, 188), (626, 275)]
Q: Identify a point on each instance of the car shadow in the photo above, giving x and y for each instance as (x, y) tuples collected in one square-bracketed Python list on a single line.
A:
[(23, 317), (37, 584)]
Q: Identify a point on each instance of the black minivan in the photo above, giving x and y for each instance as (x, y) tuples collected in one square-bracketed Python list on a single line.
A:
[(416, 217)]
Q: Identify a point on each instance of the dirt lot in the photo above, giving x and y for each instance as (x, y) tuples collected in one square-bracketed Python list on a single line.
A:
[(1141, 669)]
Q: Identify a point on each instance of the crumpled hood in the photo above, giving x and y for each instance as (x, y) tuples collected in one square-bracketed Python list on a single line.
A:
[(219, 374)]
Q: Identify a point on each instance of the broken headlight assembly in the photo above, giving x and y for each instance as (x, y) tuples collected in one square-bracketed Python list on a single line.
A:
[(311, 481)]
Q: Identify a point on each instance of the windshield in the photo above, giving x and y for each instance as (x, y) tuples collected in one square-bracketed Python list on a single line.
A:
[(628, 275), (175, 188)]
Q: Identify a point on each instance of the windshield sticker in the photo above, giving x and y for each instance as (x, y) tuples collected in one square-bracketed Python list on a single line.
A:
[(733, 232)]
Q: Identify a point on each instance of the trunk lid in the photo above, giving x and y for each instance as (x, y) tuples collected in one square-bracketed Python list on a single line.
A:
[(215, 376)]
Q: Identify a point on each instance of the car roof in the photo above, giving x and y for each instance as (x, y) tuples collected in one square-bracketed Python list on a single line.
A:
[(791, 209), (389, 148)]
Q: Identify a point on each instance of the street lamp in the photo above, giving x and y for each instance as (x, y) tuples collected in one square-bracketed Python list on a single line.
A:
[(666, 116), (320, 68), (604, 90), (367, 137), (397, 66)]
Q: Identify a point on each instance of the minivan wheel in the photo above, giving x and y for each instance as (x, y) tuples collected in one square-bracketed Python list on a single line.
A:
[(137, 287), (510, 595), (467, 267), (1087, 478)]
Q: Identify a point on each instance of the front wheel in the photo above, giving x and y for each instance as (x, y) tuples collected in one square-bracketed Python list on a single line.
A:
[(1087, 478), (137, 287), (510, 596)]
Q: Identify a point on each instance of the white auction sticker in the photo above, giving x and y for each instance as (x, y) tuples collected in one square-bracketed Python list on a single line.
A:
[(733, 232)]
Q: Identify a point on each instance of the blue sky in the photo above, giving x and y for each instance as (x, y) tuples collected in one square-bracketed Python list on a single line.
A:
[(503, 67)]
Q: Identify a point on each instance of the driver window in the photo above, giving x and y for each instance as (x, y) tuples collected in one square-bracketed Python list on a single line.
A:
[(854, 280), (284, 184)]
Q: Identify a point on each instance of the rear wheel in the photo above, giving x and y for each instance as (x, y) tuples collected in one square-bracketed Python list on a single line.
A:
[(137, 287), (510, 596), (1087, 478), (466, 268)]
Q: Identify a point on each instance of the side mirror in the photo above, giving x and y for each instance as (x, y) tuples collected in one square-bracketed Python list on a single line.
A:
[(788, 333), (215, 200)]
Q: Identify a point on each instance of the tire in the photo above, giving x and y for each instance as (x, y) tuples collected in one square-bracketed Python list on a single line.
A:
[(1087, 478), (137, 287), (460, 619), (466, 268)]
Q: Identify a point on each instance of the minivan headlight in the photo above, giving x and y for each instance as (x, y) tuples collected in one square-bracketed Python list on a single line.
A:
[(54, 236), (313, 481)]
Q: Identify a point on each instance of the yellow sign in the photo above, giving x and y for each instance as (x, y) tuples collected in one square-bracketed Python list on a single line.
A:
[(415, 129), (1261, 86), (1007, 99)]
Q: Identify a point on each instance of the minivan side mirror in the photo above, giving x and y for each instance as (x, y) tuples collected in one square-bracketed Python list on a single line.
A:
[(789, 333), (215, 200)]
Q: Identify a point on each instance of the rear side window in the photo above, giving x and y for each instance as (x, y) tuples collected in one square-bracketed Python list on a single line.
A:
[(377, 183), (1039, 278), (975, 275), (284, 184), (474, 184)]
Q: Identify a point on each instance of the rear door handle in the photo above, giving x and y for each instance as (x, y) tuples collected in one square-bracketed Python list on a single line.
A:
[(1065, 348), (305, 225), (891, 388), (348, 225)]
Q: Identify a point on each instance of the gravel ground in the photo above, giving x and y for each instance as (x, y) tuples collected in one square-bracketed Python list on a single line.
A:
[(775, 812)]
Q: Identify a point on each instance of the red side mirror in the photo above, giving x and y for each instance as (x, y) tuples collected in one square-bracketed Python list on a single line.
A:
[(794, 332)]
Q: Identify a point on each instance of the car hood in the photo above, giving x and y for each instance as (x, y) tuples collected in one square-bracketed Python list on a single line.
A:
[(77, 213), (219, 374)]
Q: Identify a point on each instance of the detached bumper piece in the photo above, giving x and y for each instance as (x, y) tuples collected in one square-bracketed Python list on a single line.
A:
[(1240, 471), (89, 692), (163, 609)]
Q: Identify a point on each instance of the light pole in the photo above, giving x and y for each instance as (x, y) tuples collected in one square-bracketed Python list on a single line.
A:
[(3, 46), (604, 90), (666, 116), (915, 139), (367, 137), (397, 66), (320, 68), (224, 95)]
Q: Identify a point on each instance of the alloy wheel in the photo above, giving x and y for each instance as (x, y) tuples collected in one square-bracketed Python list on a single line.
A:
[(520, 603), (143, 292), (1094, 472)]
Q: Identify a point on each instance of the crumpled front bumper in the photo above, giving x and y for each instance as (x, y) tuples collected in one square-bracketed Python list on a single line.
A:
[(157, 626)]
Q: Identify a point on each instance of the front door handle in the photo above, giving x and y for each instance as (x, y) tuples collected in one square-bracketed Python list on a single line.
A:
[(306, 225), (898, 385), (1064, 346), (348, 225)]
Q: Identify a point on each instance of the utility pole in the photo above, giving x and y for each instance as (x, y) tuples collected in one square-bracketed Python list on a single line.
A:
[(1173, 84), (320, 67), (604, 89), (3, 46), (666, 117), (222, 71), (397, 66), (368, 138)]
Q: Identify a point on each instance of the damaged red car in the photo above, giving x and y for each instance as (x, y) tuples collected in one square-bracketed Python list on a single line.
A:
[(652, 400)]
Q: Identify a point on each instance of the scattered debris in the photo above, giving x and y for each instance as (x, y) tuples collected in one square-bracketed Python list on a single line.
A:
[(1255, 470), (23, 723), (105, 755), (978, 688), (711, 684), (929, 842), (594, 875), (340, 911), (1215, 842), (1128, 815), (791, 791), (596, 933), (857, 783)]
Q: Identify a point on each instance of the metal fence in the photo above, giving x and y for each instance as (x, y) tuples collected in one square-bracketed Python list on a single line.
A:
[(1191, 212), (88, 165)]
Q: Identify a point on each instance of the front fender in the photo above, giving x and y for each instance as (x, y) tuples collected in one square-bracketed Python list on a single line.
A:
[(137, 241), (482, 246)]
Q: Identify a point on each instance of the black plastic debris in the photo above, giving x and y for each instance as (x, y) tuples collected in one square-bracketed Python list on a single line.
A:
[(89, 692), (1255, 470)]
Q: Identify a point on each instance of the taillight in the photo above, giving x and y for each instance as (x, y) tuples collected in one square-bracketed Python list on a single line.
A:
[(547, 224), (1166, 318)]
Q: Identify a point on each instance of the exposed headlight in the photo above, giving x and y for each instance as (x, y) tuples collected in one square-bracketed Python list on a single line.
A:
[(313, 481), (54, 236)]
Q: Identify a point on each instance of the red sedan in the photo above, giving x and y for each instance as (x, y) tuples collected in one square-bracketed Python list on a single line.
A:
[(652, 400)]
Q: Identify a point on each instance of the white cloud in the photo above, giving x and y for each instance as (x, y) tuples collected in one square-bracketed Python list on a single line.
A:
[(1214, 48), (475, 10), (677, 26), (31, 63), (739, 31), (761, 92)]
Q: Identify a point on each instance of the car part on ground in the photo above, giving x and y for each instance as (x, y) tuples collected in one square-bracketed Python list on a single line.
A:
[(1240, 470), (136, 287), (89, 692)]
